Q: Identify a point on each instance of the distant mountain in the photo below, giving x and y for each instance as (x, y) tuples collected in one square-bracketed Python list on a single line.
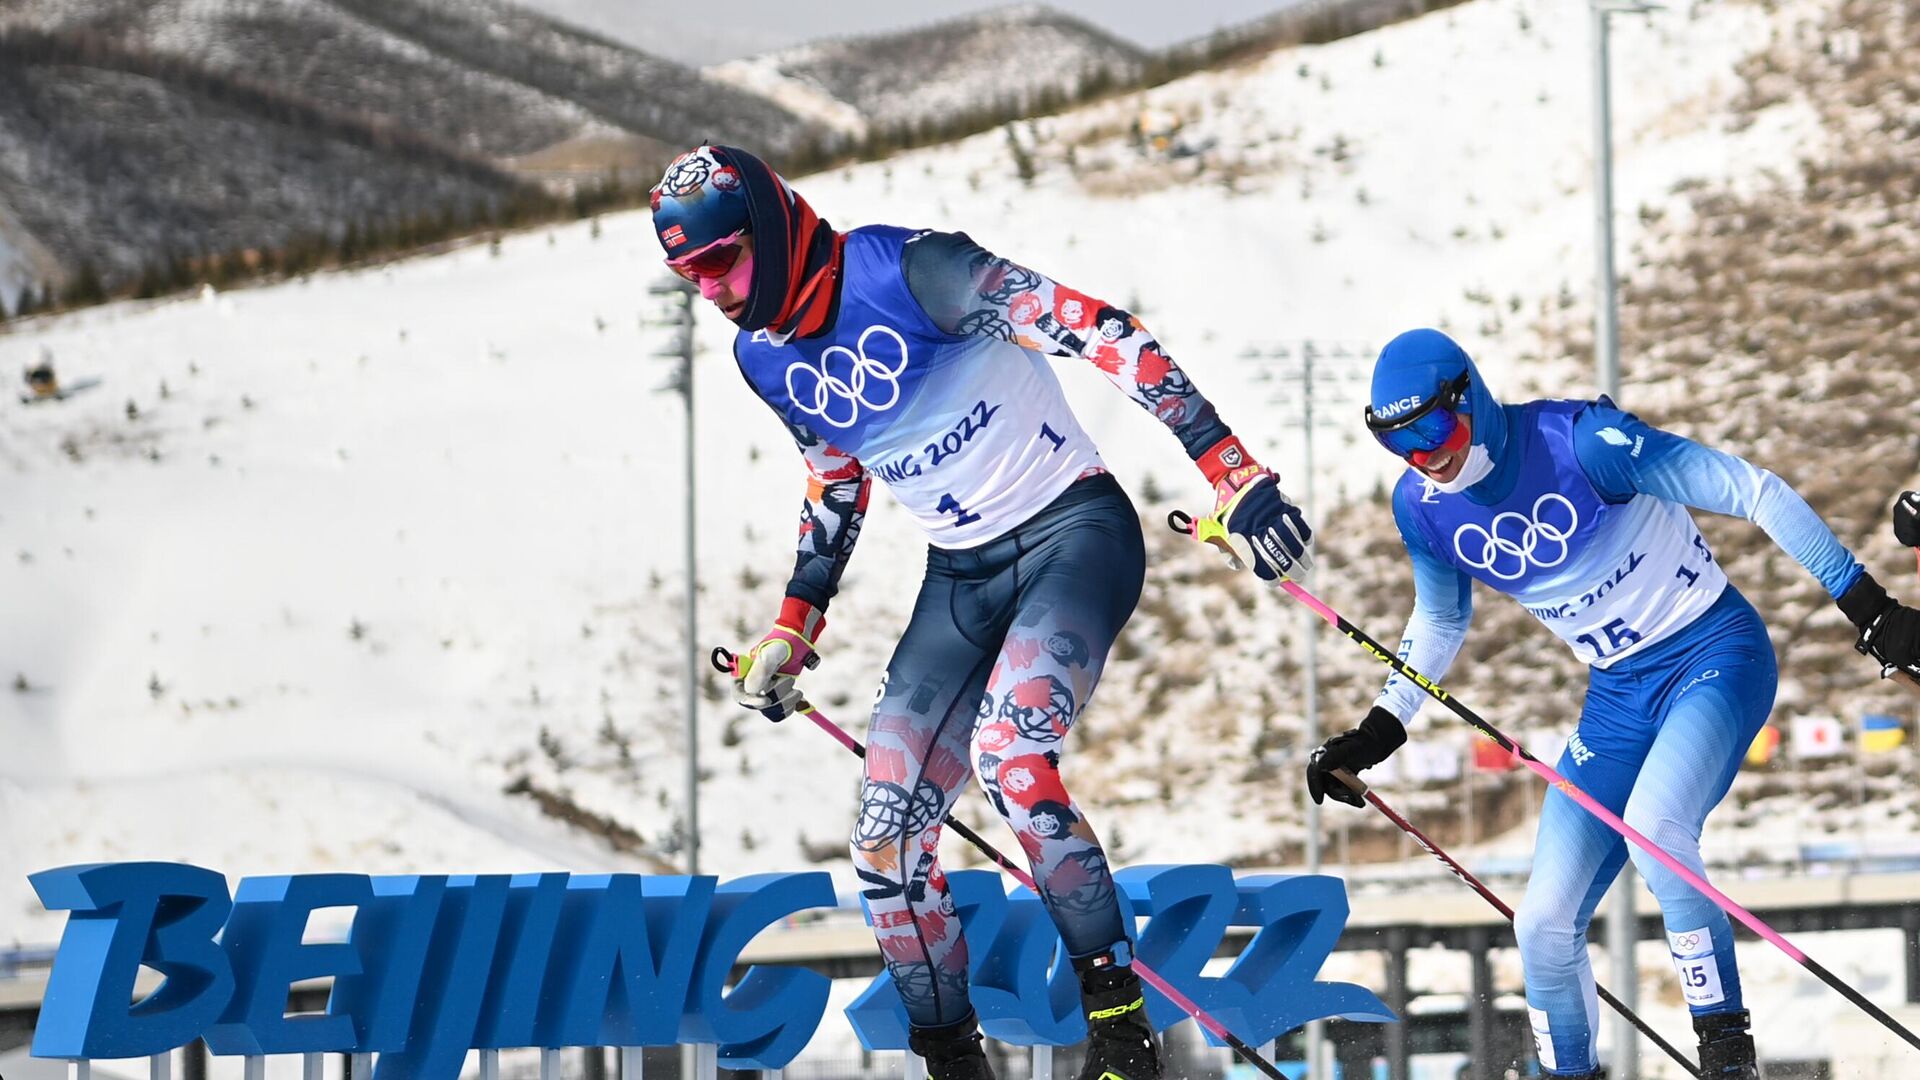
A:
[(133, 132), (482, 76), (116, 162), (1010, 58)]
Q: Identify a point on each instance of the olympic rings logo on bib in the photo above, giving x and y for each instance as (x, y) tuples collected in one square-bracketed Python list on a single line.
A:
[(1517, 542), (837, 396)]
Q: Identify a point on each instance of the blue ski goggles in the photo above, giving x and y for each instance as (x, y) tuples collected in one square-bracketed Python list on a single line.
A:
[(1423, 429)]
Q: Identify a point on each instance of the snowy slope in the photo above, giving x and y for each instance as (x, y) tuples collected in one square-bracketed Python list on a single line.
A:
[(382, 529)]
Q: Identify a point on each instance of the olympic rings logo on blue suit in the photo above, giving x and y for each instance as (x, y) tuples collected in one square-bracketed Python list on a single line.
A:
[(437, 965)]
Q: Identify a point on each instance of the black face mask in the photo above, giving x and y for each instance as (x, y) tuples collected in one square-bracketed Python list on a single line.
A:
[(790, 243)]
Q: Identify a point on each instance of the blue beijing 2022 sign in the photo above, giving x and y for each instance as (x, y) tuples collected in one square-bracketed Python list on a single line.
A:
[(436, 965)]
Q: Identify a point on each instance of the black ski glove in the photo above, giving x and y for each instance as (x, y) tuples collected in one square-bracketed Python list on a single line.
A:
[(1906, 519), (1377, 737), (1889, 630)]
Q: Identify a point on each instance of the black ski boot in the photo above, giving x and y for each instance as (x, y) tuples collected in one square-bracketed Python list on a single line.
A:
[(1120, 1042), (1726, 1050), (952, 1051)]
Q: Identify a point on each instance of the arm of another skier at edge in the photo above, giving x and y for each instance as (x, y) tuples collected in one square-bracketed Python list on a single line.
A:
[(966, 289)]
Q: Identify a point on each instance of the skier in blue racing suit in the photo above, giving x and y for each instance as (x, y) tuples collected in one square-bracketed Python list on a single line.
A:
[(1578, 510), (921, 358)]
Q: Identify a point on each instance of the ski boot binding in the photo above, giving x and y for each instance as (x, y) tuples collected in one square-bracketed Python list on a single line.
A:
[(1726, 1050), (1120, 1043), (952, 1051)]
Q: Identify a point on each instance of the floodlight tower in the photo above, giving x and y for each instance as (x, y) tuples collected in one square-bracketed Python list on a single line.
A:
[(1622, 922), (678, 319)]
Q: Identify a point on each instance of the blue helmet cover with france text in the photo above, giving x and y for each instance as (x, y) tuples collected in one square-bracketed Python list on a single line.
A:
[(1413, 368)]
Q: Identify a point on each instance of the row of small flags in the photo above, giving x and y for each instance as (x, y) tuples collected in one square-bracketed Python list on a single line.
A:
[(1429, 762), (1826, 736), (1807, 737)]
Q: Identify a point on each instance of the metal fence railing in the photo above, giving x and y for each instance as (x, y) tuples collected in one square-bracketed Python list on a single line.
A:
[(1185, 1055)]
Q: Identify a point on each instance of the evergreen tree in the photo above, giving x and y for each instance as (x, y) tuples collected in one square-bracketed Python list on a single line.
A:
[(179, 272), (86, 287), (151, 282)]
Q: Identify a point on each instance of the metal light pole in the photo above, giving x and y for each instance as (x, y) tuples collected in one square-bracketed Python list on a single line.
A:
[(1622, 924), (679, 296), (1306, 382), (1606, 319)]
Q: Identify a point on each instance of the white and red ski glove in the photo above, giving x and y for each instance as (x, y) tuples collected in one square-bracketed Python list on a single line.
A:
[(1252, 518), (763, 676)]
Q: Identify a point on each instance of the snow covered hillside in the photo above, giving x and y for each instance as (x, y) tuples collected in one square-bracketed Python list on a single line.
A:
[(366, 570)]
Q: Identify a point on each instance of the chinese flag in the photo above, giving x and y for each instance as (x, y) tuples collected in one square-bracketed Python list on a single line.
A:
[(1488, 757)]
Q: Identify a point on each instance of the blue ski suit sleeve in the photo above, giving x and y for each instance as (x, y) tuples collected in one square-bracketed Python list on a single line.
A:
[(1624, 456), (1442, 611)]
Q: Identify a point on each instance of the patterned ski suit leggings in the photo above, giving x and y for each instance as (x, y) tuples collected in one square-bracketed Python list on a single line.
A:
[(1002, 653)]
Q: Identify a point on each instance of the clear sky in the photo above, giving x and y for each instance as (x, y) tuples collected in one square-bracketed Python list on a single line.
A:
[(722, 29)]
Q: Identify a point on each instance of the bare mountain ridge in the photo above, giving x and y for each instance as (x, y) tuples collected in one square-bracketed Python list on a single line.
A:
[(480, 75), (140, 134), (1007, 59), (118, 161)]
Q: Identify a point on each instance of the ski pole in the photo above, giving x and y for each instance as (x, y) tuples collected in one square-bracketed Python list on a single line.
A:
[(1359, 787), (1906, 521), (1183, 522), (724, 662), (1906, 529)]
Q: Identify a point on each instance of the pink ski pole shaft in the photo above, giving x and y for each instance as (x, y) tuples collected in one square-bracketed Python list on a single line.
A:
[(1359, 787)]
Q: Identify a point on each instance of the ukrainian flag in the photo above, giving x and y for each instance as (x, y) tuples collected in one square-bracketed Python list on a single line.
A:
[(1880, 733)]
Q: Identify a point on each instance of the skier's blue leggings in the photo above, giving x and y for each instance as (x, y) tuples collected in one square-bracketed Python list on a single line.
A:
[(1660, 738), (1006, 643)]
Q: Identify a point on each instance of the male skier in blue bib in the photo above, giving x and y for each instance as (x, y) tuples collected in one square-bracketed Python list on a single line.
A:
[(1578, 510), (921, 358)]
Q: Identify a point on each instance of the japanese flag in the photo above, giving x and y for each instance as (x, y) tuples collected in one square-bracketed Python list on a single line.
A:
[(1818, 736)]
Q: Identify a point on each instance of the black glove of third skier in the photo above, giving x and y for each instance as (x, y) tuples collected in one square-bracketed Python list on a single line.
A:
[(1889, 630), (1377, 737), (1906, 519)]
